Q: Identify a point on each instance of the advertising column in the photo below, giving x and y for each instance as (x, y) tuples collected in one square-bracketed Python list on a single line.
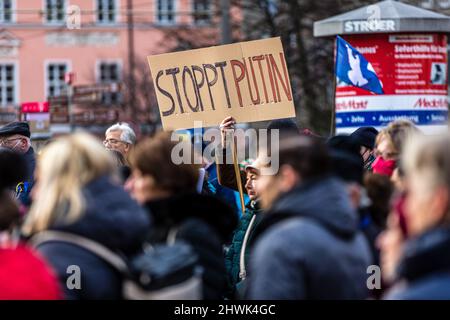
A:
[(413, 71)]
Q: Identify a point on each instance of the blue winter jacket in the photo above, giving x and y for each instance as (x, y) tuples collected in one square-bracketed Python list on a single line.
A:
[(114, 220), (308, 247)]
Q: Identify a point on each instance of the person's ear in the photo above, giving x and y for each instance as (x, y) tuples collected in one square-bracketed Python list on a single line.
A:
[(439, 206), (288, 178), (129, 183), (23, 143)]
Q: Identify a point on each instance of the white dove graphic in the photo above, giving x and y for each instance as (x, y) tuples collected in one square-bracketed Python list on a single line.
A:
[(355, 75)]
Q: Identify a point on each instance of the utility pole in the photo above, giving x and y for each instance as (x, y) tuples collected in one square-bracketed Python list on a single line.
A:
[(70, 107), (69, 79), (131, 63), (225, 21)]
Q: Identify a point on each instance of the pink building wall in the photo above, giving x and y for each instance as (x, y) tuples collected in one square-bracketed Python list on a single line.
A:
[(31, 43)]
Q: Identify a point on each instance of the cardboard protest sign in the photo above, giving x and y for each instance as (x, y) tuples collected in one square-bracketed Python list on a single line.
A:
[(247, 80)]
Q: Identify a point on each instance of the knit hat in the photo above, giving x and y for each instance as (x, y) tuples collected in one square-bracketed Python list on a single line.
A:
[(18, 127), (365, 136), (347, 163)]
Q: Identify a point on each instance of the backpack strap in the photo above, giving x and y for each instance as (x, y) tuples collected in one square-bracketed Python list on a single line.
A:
[(172, 236), (92, 246), (242, 271)]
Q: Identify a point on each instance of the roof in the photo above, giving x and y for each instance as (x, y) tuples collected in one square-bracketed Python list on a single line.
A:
[(383, 17)]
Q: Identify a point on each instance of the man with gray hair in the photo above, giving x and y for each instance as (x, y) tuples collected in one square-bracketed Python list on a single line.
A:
[(120, 137)]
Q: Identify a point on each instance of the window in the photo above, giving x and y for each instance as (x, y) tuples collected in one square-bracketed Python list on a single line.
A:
[(56, 86), (110, 73), (55, 11), (5, 11), (7, 84), (166, 11), (202, 11), (106, 11)]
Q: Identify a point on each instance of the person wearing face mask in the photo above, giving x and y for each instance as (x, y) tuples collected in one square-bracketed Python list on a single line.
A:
[(386, 155), (389, 145), (422, 268), (365, 137), (16, 136)]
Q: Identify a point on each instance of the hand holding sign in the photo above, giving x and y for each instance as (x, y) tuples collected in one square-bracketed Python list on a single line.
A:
[(226, 130)]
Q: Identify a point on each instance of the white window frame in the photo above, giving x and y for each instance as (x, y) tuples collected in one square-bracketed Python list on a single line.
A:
[(202, 23), (66, 4), (118, 62), (16, 81), (116, 14), (165, 22), (13, 13), (68, 64)]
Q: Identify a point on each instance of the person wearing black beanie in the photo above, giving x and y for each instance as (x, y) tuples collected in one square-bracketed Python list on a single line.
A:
[(347, 164), (365, 137)]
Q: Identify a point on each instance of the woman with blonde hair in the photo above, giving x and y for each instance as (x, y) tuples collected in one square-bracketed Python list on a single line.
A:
[(389, 145), (75, 193), (424, 263)]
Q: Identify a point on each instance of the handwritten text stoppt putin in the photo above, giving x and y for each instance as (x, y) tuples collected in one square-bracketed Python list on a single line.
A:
[(247, 80)]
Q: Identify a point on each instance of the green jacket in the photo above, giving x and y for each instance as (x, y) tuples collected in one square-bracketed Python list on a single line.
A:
[(233, 255)]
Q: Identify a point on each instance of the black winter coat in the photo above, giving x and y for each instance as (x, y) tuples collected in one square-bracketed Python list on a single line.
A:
[(204, 222)]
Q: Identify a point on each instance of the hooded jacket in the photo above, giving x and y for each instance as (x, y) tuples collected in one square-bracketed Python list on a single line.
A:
[(309, 247), (112, 219), (233, 263)]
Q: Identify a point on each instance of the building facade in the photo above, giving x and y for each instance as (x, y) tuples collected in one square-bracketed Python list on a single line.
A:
[(42, 41)]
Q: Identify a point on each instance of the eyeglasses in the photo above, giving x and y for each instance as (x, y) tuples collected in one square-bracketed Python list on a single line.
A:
[(386, 155), (113, 142), (5, 142)]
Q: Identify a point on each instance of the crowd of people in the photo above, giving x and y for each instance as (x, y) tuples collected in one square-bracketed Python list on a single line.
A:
[(358, 216)]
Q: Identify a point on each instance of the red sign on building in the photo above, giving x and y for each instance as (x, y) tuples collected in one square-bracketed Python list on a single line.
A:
[(413, 72), (34, 107)]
